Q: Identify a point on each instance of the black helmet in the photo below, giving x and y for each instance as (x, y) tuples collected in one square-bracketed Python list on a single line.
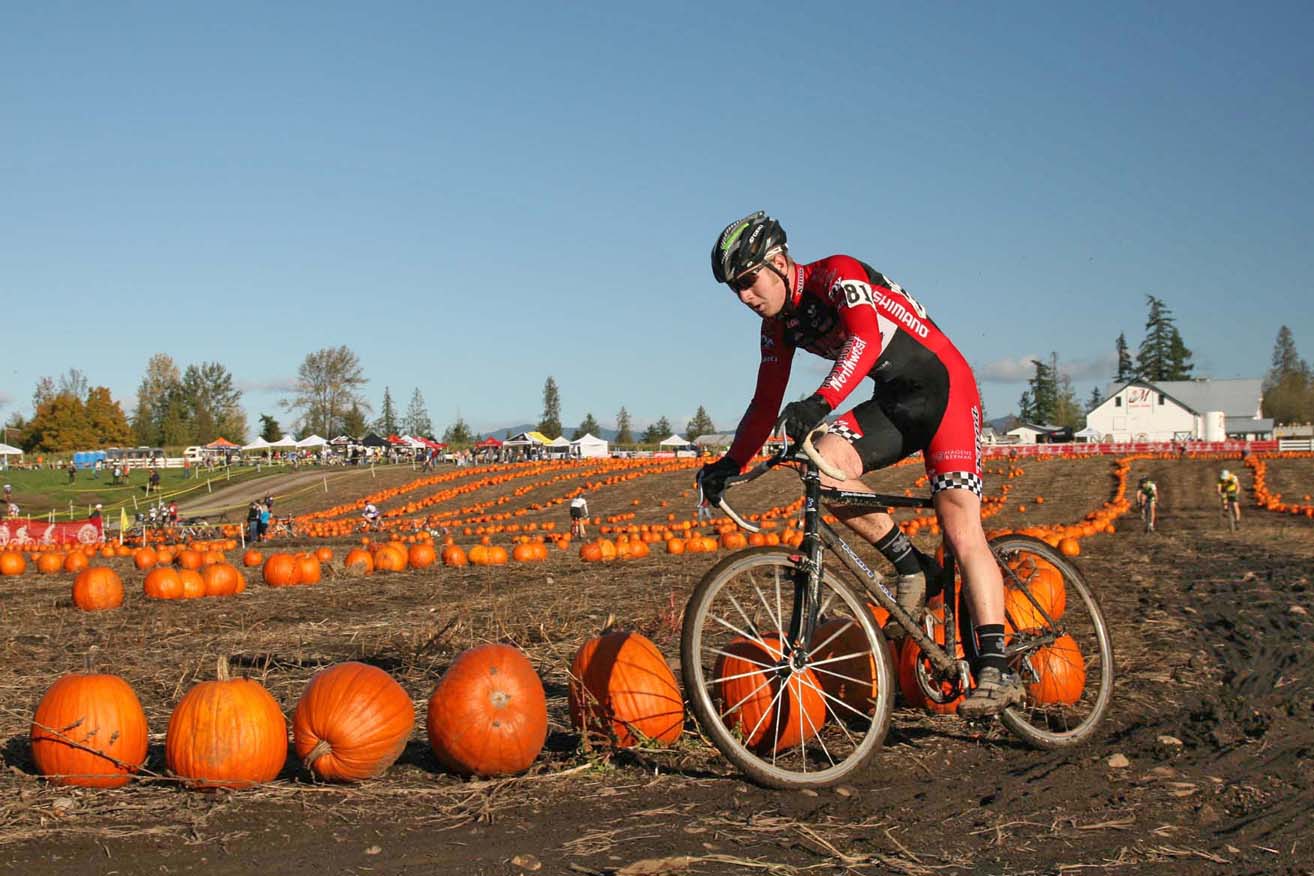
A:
[(745, 244)]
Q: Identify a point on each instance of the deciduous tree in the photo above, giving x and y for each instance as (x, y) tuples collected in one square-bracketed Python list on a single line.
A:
[(329, 382)]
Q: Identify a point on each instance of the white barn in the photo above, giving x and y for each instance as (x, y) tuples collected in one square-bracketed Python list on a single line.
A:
[(1181, 410)]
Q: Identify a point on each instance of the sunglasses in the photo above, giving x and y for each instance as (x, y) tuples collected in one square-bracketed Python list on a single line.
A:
[(744, 280)]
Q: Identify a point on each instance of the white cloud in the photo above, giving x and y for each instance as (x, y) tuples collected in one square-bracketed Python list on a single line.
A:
[(1019, 369), (272, 384)]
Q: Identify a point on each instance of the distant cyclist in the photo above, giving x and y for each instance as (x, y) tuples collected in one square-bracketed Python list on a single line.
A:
[(1147, 494), (371, 515), (579, 514), (1229, 489)]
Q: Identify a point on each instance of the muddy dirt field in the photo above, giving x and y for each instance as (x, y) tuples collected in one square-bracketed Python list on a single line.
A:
[(1203, 766)]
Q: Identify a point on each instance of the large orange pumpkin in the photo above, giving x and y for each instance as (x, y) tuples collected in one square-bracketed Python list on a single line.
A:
[(358, 562), (352, 722), (193, 585), (252, 557), (12, 563), (745, 690), (848, 668), (50, 563), (421, 556), (163, 582), (228, 733), (488, 714), (89, 730), (220, 579), (621, 687), (75, 562), (144, 557), (281, 570), (308, 569), (1060, 670), (910, 654), (97, 589), (389, 559)]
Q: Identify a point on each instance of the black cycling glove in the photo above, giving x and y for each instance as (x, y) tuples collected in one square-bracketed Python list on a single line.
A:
[(801, 417), (712, 478)]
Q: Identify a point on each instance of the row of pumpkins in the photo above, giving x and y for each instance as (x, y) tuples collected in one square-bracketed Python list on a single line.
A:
[(487, 715), (1271, 501)]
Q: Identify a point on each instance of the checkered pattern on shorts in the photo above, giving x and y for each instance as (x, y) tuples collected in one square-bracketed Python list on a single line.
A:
[(957, 480), (844, 430)]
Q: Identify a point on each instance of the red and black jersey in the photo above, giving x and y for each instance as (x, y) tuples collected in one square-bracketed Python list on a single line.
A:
[(846, 311)]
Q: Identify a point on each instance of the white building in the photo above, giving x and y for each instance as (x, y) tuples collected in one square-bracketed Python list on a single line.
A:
[(1181, 410)]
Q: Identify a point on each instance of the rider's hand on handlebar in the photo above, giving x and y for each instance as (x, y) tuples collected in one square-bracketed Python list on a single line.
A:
[(712, 478), (801, 417)]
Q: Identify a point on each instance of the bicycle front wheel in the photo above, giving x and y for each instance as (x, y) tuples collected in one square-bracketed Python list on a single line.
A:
[(787, 714), (1058, 642)]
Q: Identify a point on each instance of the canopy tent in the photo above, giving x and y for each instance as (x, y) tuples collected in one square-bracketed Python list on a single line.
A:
[(589, 445), (312, 441), (559, 441), (286, 442), (258, 444), (221, 443), (490, 441), (372, 440), (1087, 434), (343, 441), (527, 439), (431, 444), (674, 441), (6, 450)]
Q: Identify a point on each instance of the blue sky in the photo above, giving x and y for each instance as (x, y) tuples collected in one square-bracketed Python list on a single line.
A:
[(474, 197)]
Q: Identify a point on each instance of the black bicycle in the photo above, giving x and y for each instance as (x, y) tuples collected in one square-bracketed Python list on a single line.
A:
[(789, 672)]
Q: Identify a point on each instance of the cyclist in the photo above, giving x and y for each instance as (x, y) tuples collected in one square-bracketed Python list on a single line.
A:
[(1228, 490), (1147, 493), (371, 516), (926, 399), (579, 514)]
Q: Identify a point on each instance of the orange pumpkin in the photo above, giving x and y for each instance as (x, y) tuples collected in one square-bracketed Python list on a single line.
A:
[(75, 561), (97, 589), (849, 671), (281, 570), (745, 693), (189, 559), (389, 559), (352, 722), (163, 582), (621, 687), (909, 655), (324, 554), (1060, 671), (252, 557), (228, 733), (49, 563), (421, 556), (359, 561), (1069, 547), (308, 569), (144, 557), (220, 579), (488, 714), (193, 585), (12, 563), (89, 730)]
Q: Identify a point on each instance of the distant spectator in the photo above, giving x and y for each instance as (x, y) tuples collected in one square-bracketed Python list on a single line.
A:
[(264, 520), (117, 473), (253, 522), (72, 472), (153, 482), (94, 516), (11, 509), (9, 493), (173, 513)]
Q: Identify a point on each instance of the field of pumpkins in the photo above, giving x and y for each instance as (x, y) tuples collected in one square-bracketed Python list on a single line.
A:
[(470, 636)]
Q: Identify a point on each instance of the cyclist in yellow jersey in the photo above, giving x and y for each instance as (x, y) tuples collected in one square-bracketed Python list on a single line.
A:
[(1229, 490)]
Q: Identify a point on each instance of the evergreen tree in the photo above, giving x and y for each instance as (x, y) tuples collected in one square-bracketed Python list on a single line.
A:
[(1096, 399), (664, 429), (1162, 355), (1044, 390), (589, 426), (354, 423), (1067, 410), (1026, 410), (1126, 371), (386, 424), (1289, 385), (701, 424), (212, 402), (624, 435), (550, 423), (417, 416), (458, 434), (269, 429)]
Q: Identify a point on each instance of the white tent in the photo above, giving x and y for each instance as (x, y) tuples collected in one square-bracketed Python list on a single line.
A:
[(674, 441), (589, 446), (287, 441), (1087, 434), (312, 441), (258, 444), (7, 451)]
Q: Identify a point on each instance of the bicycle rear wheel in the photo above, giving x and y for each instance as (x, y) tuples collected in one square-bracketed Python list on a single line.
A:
[(788, 716), (1063, 653)]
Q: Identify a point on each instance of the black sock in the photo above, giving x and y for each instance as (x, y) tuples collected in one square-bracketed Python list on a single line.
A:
[(896, 548), (990, 647)]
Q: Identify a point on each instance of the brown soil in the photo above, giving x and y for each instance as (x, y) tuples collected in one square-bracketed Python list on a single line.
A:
[(1212, 635)]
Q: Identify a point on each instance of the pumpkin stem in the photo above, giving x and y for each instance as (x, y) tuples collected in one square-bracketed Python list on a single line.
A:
[(322, 747), (221, 668)]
